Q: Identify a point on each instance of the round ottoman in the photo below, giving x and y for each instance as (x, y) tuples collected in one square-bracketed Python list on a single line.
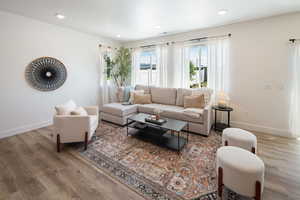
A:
[(241, 171), (239, 138)]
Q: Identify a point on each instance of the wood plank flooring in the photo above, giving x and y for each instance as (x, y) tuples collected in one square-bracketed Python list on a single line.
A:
[(31, 169)]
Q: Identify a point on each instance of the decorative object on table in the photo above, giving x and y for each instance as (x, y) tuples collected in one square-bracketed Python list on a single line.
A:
[(119, 68), (46, 74), (222, 99), (221, 126), (239, 138), (153, 119), (241, 171), (157, 113)]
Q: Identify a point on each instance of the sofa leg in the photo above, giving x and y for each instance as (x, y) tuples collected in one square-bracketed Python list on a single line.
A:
[(86, 140), (257, 190), (220, 182), (58, 142)]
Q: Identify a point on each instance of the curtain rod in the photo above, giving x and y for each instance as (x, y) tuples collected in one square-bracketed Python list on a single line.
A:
[(109, 47), (189, 40), (293, 40)]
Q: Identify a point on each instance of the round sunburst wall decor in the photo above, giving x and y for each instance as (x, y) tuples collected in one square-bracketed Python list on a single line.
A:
[(46, 74)]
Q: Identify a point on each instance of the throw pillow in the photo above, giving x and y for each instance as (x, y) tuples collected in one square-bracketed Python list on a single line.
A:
[(194, 101), (127, 91), (131, 99), (79, 111), (142, 99), (66, 108)]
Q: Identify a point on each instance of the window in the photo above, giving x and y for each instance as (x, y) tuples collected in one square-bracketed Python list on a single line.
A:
[(198, 66), (148, 73)]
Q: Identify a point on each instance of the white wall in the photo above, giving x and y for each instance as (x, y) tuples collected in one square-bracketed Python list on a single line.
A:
[(22, 40), (259, 63)]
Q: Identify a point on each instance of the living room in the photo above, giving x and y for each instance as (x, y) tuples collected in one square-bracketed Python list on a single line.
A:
[(139, 99)]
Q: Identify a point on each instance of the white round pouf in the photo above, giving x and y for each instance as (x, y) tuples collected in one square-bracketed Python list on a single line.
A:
[(239, 138), (241, 171)]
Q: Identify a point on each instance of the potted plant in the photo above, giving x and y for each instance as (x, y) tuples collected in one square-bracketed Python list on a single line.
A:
[(119, 68)]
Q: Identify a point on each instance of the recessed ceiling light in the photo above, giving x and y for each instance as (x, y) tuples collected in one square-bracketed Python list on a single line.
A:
[(157, 27), (222, 12), (60, 16), (298, 138), (119, 36)]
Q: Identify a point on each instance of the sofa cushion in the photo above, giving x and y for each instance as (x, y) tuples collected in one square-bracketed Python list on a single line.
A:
[(164, 95), (172, 112), (181, 92), (194, 101), (143, 87), (118, 109), (142, 98)]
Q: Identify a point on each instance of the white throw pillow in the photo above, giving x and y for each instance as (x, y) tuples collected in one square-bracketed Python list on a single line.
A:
[(79, 111), (131, 99), (66, 108)]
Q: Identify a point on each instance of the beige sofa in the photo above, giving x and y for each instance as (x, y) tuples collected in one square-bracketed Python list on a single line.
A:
[(170, 101)]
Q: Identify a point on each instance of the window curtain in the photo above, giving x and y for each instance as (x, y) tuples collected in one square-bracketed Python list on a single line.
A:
[(179, 74), (107, 88), (135, 66), (218, 65), (162, 65), (294, 74)]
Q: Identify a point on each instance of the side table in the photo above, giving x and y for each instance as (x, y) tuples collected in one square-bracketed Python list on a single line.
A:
[(222, 126)]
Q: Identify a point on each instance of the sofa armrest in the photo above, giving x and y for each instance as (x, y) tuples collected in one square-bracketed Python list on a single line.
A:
[(69, 123), (207, 118), (92, 110)]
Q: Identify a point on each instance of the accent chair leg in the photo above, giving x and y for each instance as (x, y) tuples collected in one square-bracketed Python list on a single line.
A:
[(226, 143), (86, 140), (58, 142), (220, 182), (257, 190), (253, 150)]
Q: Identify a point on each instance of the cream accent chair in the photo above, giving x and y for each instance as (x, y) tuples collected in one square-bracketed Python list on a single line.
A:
[(75, 128)]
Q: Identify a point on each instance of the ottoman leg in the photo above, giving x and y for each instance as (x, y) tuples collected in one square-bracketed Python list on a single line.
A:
[(58, 143), (220, 182), (257, 190), (226, 143), (86, 140), (253, 150)]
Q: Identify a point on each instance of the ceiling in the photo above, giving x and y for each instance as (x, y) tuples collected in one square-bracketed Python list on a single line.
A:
[(138, 19)]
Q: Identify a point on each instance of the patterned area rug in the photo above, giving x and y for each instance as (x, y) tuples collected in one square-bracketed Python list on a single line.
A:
[(153, 171)]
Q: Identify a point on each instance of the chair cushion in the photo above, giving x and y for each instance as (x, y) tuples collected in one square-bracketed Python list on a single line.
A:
[(118, 109), (164, 95), (79, 111), (66, 108), (170, 111)]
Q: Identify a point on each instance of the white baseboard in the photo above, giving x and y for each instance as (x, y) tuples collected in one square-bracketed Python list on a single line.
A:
[(262, 129), (23, 129)]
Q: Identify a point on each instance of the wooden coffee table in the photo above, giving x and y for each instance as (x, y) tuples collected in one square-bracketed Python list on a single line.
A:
[(163, 135)]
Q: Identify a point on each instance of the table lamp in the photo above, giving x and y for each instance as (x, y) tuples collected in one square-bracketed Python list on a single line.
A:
[(222, 99)]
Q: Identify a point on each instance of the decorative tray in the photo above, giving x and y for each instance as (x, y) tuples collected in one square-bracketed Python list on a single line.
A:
[(154, 121)]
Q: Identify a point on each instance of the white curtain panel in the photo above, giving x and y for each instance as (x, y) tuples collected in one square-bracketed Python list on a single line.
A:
[(180, 73), (218, 65), (135, 66), (294, 69), (107, 88), (162, 65)]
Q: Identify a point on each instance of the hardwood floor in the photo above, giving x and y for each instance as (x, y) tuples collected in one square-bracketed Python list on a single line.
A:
[(30, 168)]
